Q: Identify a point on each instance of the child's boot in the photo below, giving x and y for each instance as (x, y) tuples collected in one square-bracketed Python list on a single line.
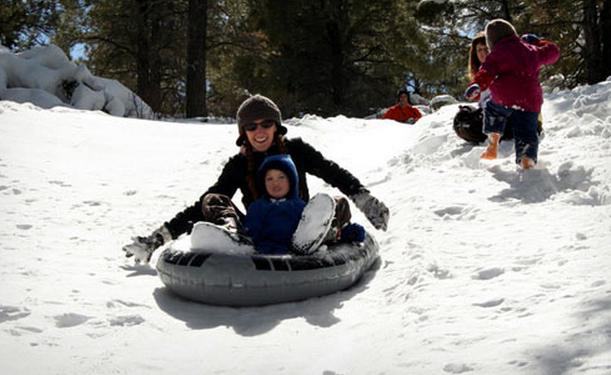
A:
[(493, 146), (527, 163), (314, 225)]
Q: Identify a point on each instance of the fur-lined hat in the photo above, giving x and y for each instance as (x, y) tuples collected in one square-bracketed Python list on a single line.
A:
[(257, 107), (496, 30)]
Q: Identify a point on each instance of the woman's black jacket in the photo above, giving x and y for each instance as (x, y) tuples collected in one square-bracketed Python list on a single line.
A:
[(233, 177)]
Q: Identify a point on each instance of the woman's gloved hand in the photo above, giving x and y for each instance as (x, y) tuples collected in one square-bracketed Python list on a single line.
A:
[(142, 248), (376, 212)]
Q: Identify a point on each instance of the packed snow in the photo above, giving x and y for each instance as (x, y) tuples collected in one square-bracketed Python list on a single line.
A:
[(46, 77), (485, 269)]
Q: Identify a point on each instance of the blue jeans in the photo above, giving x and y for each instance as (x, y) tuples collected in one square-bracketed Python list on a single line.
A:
[(526, 138)]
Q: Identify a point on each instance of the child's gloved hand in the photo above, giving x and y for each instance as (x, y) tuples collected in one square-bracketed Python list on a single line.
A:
[(531, 38), (472, 92)]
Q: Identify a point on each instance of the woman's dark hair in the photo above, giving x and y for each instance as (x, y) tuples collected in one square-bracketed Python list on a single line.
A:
[(251, 178), (474, 63)]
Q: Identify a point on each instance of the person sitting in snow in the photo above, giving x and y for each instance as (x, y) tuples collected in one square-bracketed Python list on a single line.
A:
[(511, 71), (261, 134), (403, 110), (272, 219)]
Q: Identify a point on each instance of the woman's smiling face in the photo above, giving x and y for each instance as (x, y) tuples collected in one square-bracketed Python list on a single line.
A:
[(262, 136)]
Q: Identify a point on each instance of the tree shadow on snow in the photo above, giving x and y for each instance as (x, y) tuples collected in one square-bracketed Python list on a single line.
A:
[(571, 354), (253, 321)]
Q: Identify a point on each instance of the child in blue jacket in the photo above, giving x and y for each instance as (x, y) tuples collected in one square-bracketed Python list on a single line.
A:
[(272, 218)]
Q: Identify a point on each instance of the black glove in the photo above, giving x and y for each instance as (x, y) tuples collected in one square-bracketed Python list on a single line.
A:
[(376, 212), (142, 248)]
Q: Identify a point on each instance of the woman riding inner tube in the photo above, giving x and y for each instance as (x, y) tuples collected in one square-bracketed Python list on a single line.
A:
[(261, 134)]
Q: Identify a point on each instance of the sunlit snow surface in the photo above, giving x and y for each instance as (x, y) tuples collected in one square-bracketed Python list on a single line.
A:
[(484, 269)]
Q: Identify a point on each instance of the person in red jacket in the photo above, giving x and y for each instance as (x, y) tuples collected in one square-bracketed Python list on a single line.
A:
[(511, 71), (403, 111)]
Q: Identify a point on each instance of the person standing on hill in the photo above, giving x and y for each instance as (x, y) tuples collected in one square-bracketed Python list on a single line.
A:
[(511, 71)]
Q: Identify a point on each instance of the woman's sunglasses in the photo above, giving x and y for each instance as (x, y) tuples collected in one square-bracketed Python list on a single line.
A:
[(251, 127)]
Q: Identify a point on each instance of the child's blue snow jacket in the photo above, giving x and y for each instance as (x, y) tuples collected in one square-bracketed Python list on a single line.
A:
[(272, 222)]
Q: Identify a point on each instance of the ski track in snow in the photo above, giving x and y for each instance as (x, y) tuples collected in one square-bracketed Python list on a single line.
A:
[(485, 269)]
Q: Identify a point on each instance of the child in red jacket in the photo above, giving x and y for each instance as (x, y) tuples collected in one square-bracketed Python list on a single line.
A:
[(511, 71)]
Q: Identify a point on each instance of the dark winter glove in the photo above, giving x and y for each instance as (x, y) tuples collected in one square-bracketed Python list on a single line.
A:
[(531, 39), (142, 248), (353, 233), (375, 211), (472, 92)]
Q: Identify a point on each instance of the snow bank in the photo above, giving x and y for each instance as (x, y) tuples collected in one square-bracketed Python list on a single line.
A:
[(45, 77)]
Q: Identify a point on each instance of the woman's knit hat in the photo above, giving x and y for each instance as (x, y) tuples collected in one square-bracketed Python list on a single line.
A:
[(496, 30), (257, 107)]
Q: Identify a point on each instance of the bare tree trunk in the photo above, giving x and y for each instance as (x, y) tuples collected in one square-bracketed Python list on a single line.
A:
[(605, 22), (196, 58), (148, 60), (335, 38), (506, 10), (592, 50)]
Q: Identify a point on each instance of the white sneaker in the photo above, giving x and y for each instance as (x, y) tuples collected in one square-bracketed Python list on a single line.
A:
[(208, 237), (314, 224)]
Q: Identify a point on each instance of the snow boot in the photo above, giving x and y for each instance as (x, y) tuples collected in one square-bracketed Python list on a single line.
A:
[(527, 163), (493, 145), (314, 224), (212, 238)]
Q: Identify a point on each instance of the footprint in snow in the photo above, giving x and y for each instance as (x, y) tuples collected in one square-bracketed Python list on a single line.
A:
[(456, 212), (60, 183), (490, 303), (70, 320), (12, 313), (92, 203), (457, 368), (118, 303), (24, 226), (488, 274), (451, 211), (126, 320)]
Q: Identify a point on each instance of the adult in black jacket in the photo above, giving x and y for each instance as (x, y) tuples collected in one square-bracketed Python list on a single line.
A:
[(261, 134)]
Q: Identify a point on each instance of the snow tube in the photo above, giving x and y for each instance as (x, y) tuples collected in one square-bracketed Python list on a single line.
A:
[(257, 279)]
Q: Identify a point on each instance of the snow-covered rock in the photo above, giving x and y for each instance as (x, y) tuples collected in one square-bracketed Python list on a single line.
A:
[(442, 100), (44, 76)]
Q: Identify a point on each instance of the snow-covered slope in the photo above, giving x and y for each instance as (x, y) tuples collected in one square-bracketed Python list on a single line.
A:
[(484, 269)]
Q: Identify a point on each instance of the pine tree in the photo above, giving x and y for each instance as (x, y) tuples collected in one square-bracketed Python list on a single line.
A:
[(26, 23)]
